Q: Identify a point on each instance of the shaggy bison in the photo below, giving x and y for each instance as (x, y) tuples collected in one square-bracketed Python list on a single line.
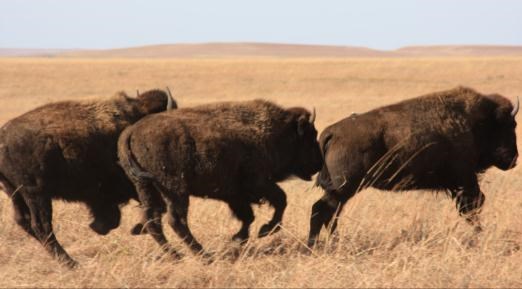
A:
[(439, 141), (235, 152), (67, 150)]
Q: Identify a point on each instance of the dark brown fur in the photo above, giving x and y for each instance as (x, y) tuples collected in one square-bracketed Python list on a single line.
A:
[(234, 152), (439, 141), (67, 150)]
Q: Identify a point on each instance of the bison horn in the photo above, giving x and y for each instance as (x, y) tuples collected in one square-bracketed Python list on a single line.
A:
[(515, 108), (312, 116), (170, 100)]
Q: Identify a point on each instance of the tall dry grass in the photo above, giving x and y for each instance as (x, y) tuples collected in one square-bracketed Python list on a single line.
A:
[(412, 239)]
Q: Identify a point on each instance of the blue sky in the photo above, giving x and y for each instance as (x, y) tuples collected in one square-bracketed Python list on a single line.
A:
[(384, 24)]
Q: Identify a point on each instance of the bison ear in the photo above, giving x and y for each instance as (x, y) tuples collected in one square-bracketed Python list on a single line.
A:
[(302, 123), (484, 109), (507, 111), (503, 114), (497, 108)]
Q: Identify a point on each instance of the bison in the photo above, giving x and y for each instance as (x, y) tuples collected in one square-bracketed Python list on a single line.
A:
[(67, 150), (440, 142), (235, 152)]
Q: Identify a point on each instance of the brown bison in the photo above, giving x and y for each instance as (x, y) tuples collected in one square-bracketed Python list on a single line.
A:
[(67, 150), (235, 152), (439, 141)]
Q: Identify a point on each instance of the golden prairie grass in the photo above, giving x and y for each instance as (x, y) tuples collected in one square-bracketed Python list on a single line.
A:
[(413, 239)]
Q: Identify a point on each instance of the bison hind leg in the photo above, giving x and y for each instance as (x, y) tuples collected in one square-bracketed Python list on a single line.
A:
[(322, 212), (141, 228), (152, 211), (176, 197), (177, 210), (326, 211), (22, 214), (40, 207)]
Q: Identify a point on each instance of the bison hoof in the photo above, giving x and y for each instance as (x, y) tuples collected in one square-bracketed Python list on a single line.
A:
[(241, 238), (311, 243), (477, 229), (208, 257), (175, 255), (138, 229), (268, 229), (70, 263), (170, 255)]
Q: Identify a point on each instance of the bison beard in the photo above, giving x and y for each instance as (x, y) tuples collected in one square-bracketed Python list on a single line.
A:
[(440, 142), (234, 152), (67, 150)]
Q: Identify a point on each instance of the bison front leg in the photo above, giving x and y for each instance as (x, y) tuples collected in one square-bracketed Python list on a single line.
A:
[(277, 199), (469, 202), (40, 207), (243, 211)]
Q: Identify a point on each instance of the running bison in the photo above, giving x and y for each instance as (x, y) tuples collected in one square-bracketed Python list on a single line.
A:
[(235, 152), (67, 150), (439, 141)]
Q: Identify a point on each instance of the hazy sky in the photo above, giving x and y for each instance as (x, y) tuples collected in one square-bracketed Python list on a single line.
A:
[(384, 24)]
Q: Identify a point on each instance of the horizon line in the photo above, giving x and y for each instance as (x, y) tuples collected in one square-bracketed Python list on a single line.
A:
[(269, 43)]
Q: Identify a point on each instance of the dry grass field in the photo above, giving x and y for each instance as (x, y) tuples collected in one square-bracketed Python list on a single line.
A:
[(413, 239)]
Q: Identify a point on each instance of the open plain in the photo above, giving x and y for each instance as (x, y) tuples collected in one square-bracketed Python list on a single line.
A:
[(413, 239)]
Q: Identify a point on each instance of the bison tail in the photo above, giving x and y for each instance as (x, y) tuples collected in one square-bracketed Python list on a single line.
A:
[(323, 179), (127, 159)]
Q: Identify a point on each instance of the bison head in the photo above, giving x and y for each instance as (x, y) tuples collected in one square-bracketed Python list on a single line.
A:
[(496, 130), (307, 159), (156, 100)]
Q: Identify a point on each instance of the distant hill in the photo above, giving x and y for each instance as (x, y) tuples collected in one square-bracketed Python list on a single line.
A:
[(227, 50), (231, 50)]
